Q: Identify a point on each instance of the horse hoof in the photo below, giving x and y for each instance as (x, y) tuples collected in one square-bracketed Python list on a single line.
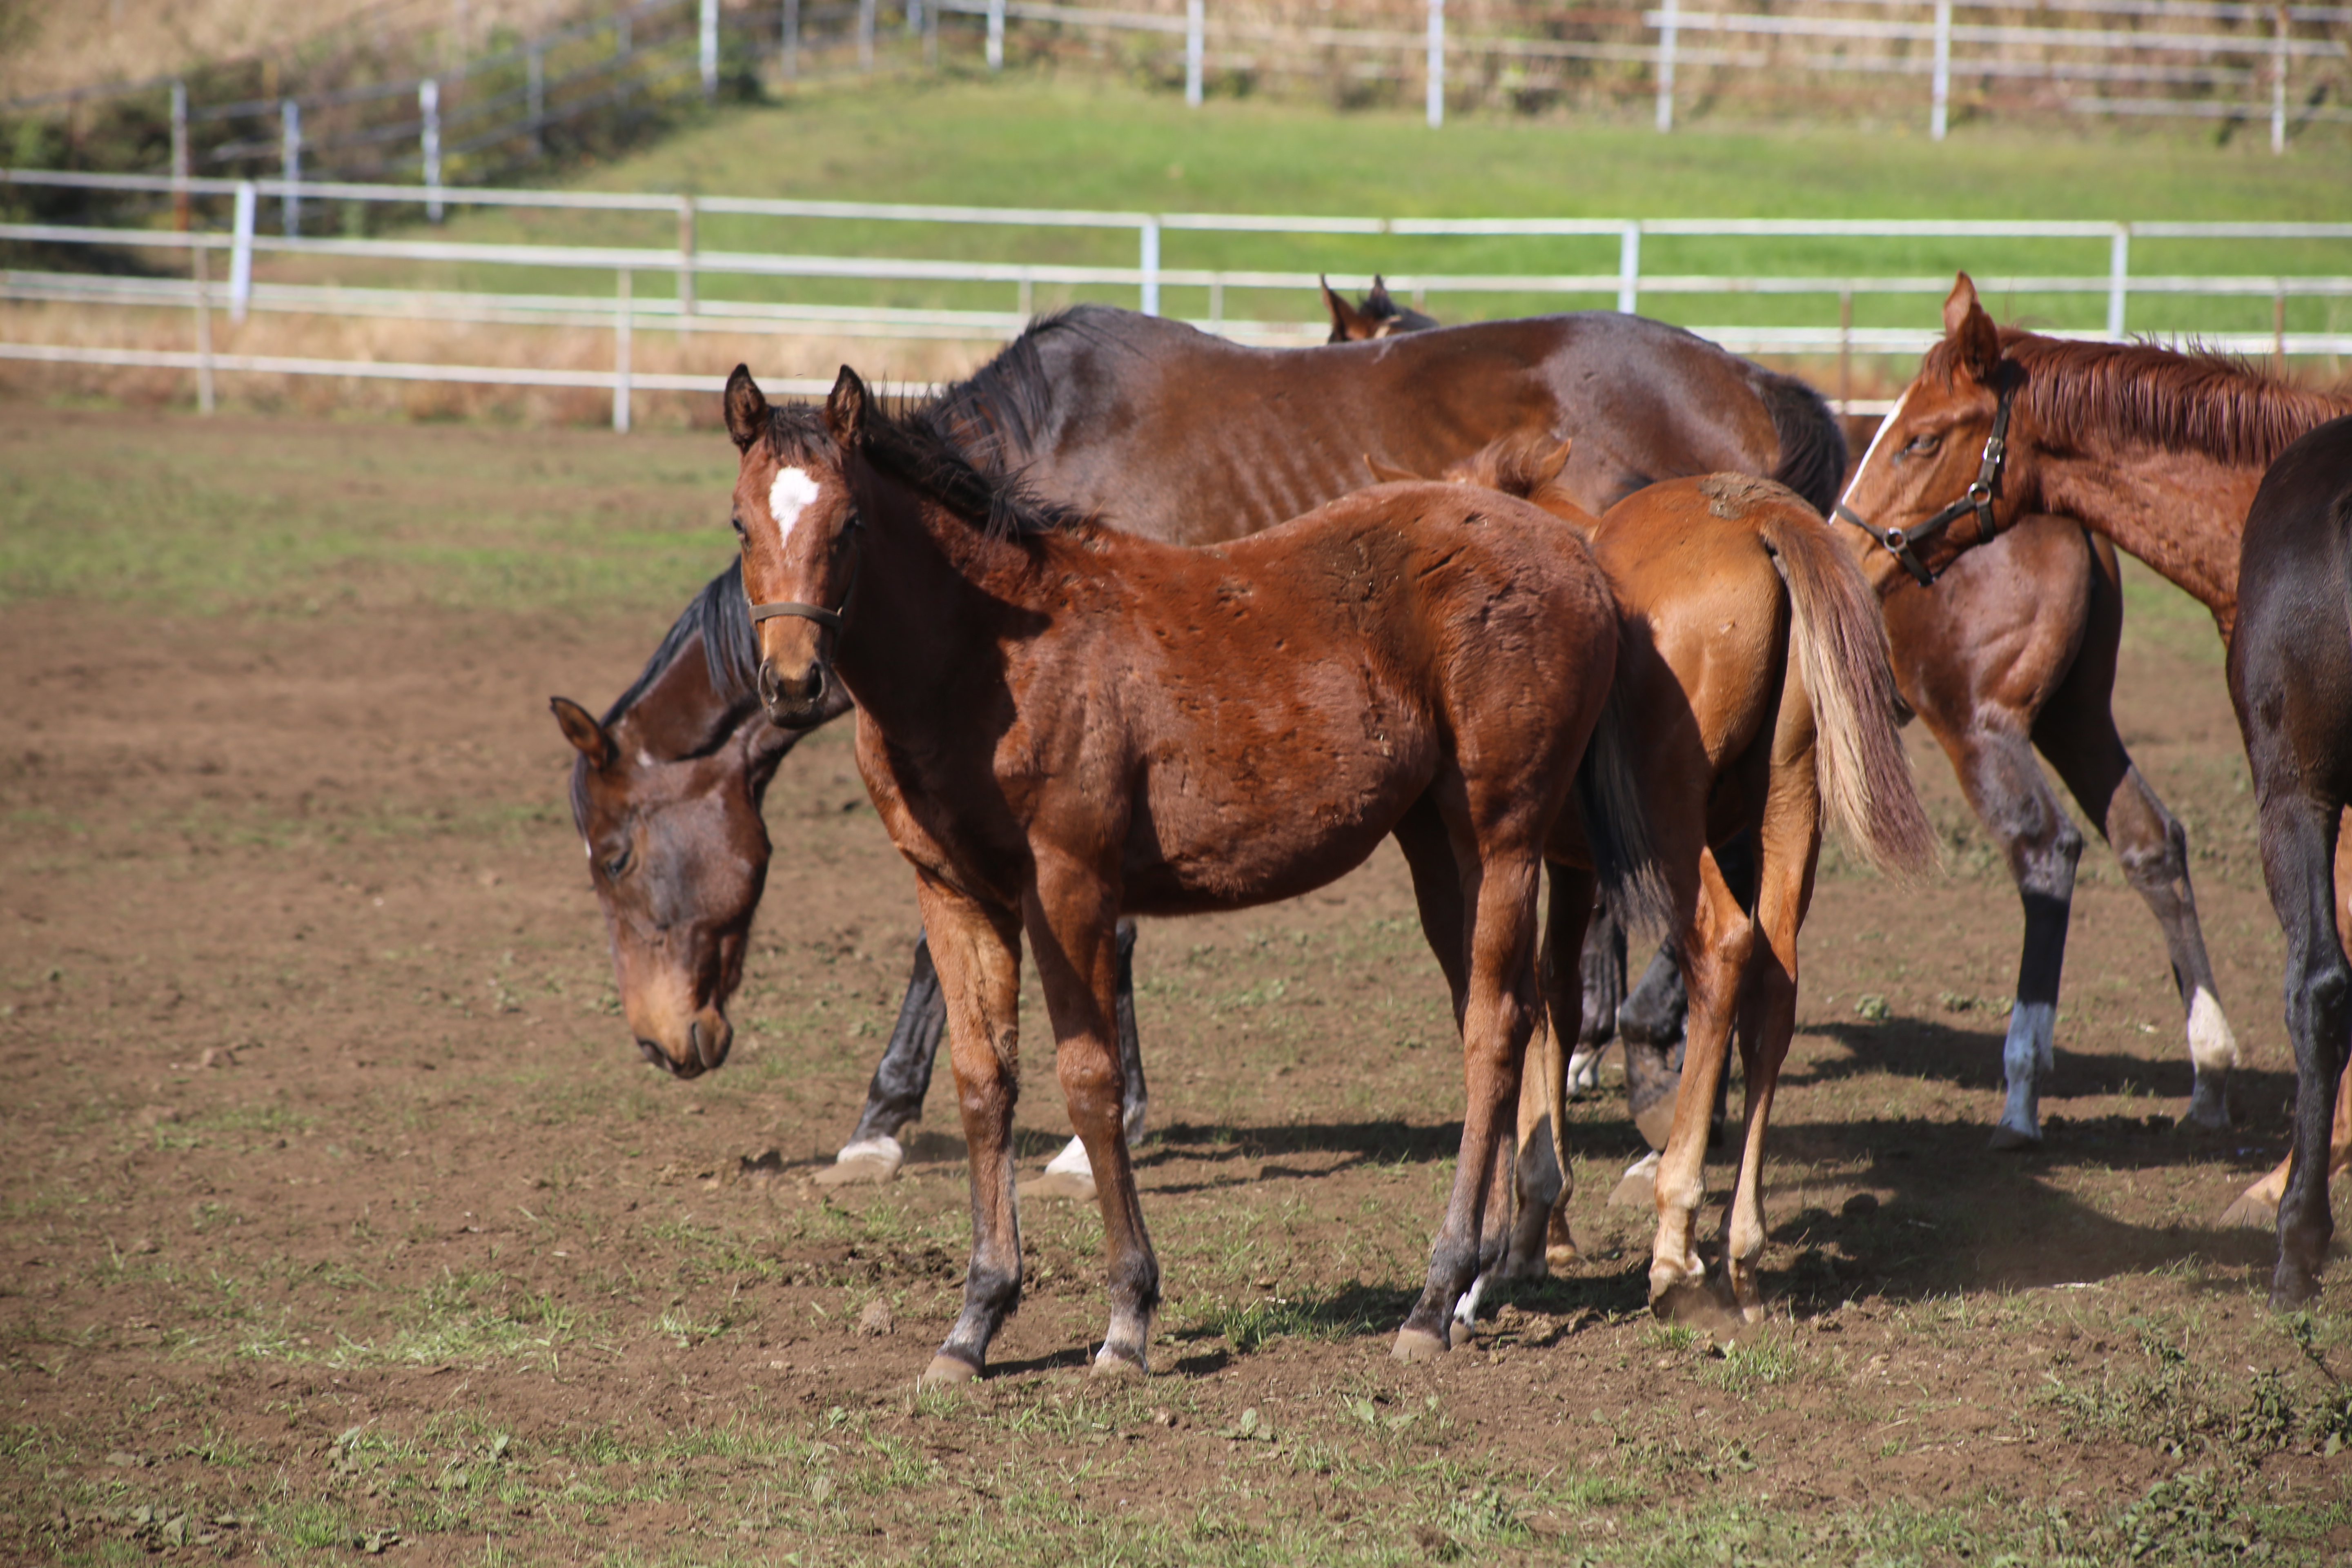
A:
[(1656, 1123), (1417, 1345), (1690, 1303), (1111, 1363), (2256, 1210), (1057, 1184), (869, 1160), (2006, 1138), (1457, 1334), (947, 1372), (1638, 1187), (1561, 1253)]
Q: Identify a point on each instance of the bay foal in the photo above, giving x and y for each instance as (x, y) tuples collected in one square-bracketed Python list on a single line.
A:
[(1058, 723)]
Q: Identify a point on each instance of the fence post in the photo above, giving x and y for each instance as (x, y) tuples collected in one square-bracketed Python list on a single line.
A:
[(535, 95), (914, 18), (791, 40), (686, 249), (865, 34), (1436, 66), (203, 331), (1150, 263), (1629, 269), (1195, 25), (1667, 31), (289, 154), (623, 45), (621, 311), (1846, 350), (2118, 278), (428, 104), (1937, 117), (708, 40), (995, 35), (179, 156), (931, 37), (2278, 86), (240, 255)]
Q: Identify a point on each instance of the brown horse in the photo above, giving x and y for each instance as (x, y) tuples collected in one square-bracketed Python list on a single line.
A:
[(1378, 316), (1755, 653), (1057, 723), (2013, 652), (2159, 451)]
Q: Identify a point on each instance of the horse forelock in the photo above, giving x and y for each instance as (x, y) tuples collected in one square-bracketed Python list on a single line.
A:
[(2213, 404)]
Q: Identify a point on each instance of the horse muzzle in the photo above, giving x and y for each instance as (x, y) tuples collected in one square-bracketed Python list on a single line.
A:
[(709, 1037), (796, 701)]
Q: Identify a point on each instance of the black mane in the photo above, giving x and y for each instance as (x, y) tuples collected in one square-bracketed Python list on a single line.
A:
[(722, 618), (1000, 413)]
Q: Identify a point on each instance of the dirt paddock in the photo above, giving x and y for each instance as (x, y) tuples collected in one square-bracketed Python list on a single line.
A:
[(340, 1215)]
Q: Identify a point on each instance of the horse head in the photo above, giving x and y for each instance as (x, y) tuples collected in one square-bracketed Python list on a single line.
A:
[(1942, 473), (1379, 316), (679, 854), (798, 524)]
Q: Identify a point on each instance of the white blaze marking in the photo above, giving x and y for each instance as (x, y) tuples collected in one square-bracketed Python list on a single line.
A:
[(1877, 436), (2211, 1042), (788, 496)]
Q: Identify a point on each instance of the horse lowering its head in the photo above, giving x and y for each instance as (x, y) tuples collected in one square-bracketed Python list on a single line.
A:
[(666, 794), (1379, 316)]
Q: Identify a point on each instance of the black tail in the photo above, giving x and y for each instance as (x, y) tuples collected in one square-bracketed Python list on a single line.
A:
[(1813, 446)]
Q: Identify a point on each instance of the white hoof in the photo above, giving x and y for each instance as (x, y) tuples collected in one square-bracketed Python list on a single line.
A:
[(1638, 1187), (875, 1160)]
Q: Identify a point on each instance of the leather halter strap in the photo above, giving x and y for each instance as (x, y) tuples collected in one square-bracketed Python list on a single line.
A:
[(834, 621), (1983, 491)]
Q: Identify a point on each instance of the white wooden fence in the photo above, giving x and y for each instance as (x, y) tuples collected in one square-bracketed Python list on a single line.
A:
[(693, 310)]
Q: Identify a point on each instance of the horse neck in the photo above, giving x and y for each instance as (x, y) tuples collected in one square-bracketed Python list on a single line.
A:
[(2181, 512), (680, 712), (932, 587)]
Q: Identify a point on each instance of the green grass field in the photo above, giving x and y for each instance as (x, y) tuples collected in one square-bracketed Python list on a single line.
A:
[(1040, 141)]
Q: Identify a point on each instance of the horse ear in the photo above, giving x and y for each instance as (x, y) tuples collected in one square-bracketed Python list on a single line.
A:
[(1546, 465), (1388, 473), (747, 409), (845, 408), (1348, 324), (1971, 330), (1377, 303), (580, 727)]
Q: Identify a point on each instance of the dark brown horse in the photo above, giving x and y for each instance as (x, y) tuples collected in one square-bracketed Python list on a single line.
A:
[(2159, 451), (1058, 723), (2013, 652), (2291, 682)]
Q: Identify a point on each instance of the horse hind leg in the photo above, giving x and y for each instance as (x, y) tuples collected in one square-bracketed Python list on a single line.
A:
[(1603, 986), (1715, 948), (902, 1079), (1540, 1235)]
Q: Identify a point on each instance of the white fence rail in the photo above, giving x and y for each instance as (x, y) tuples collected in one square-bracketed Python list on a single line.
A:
[(692, 310)]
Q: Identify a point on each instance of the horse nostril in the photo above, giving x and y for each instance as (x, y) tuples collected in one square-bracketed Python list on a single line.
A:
[(655, 1054), (767, 683), (813, 686)]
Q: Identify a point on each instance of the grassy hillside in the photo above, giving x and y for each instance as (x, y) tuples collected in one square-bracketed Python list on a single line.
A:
[(1033, 139)]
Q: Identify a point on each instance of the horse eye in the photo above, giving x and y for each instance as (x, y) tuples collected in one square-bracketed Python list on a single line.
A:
[(617, 864), (1920, 445), (737, 524)]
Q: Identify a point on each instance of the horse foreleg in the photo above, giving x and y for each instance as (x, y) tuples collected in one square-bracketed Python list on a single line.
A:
[(1072, 922), (2257, 1207), (1497, 1016), (902, 1079), (1069, 1174), (978, 952), (2299, 848), (1714, 951)]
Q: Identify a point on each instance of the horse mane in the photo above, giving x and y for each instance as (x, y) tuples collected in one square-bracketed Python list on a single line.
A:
[(919, 448), (999, 414), (1812, 446), (2211, 403), (722, 618), (1519, 464)]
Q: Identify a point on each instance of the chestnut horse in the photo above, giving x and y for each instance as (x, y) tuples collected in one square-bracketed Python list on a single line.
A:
[(2159, 451), (1755, 654), (2012, 652), (1058, 723)]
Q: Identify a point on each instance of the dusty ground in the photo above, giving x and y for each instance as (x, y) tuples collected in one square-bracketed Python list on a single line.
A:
[(340, 1214)]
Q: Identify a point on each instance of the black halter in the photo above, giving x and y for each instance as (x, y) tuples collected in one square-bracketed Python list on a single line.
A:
[(834, 621), (1982, 493)]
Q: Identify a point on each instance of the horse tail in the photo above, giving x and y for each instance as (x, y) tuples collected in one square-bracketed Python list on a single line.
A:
[(1812, 445), (1838, 637), (1617, 828)]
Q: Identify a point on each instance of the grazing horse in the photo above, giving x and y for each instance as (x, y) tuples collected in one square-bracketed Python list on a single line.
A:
[(2291, 682), (1081, 392), (1755, 653), (2012, 652), (1058, 723), (2159, 451)]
